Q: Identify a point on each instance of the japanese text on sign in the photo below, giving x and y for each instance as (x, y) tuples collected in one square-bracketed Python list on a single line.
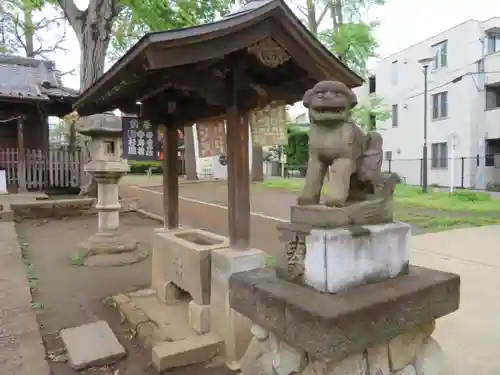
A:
[(268, 125), (139, 139), (211, 138)]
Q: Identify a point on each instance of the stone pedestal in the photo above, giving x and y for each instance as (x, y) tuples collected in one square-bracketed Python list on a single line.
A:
[(382, 328), (336, 259), (228, 324)]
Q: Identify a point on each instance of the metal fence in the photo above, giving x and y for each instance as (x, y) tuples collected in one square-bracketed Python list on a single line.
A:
[(461, 172)]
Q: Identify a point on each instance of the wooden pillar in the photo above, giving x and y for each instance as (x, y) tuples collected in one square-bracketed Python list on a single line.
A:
[(170, 177), (21, 156), (238, 171)]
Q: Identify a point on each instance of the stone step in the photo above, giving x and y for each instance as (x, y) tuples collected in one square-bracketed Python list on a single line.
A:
[(191, 350)]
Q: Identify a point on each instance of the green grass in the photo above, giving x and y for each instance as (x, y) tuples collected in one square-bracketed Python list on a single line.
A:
[(441, 223), (30, 271), (459, 201), (77, 260)]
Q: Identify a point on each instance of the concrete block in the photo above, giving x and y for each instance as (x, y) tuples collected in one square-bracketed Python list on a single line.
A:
[(92, 344), (196, 349), (199, 317), (184, 256), (228, 324), (336, 259)]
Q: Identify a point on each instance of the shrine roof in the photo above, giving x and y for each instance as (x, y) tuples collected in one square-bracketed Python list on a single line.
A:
[(189, 65), (23, 78)]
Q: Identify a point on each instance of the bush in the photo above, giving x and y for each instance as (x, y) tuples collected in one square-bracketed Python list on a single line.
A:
[(141, 167), (493, 186), (471, 196)]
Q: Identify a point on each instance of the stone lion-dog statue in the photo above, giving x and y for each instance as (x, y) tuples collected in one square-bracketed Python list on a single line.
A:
[(336, 141)]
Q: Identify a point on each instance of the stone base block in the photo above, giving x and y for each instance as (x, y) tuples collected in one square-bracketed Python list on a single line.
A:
[(232, 327), (199, 317), (111, 249), (191, 350), (337, 259), (270, 355), (333, 327), (182, 257)]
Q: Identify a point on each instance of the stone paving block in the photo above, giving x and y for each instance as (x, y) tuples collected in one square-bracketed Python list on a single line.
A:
[(191, 350), (92, 344)]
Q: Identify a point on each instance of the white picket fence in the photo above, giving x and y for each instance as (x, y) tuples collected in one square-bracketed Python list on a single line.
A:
[(56, 168)]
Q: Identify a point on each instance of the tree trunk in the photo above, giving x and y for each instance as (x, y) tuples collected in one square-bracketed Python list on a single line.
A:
[(257, 163), (312, 21), (189, 154), (93, 30), (29, 34)]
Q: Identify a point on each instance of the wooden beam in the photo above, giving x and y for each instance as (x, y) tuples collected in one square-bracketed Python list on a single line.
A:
[(170, 177), (21, 157), (238, 165)]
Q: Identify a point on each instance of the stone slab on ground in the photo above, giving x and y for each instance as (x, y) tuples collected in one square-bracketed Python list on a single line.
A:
[(21, 347), (92, 344), (191, 350)]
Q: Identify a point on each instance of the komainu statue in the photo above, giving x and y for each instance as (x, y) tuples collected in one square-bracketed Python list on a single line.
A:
[(335, 141)]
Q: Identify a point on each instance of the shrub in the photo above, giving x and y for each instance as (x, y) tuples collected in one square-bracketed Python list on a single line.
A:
[(141, 167), (471, 196), (493, 186)]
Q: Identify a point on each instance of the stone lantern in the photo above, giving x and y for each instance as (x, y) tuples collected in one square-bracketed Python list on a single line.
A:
[(107, 167)]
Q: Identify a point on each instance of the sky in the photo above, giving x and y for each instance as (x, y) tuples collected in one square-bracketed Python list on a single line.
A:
[(402, 24)]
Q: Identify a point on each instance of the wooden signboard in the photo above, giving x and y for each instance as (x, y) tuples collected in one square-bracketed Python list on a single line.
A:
[(268, 125), (139, 139), (211, 138)]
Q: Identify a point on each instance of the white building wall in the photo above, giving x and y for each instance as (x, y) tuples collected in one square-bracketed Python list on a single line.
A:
[(466, 116)]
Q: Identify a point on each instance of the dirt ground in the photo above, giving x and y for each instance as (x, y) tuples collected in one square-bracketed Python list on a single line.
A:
[(69, 295)]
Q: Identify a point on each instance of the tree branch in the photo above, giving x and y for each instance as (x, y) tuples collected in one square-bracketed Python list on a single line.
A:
[(74, 15), (322, 15)]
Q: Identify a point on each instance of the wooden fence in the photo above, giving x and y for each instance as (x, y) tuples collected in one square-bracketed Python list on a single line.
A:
[(57, 168)]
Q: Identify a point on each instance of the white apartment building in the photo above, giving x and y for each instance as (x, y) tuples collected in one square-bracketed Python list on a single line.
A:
[(463, 106)]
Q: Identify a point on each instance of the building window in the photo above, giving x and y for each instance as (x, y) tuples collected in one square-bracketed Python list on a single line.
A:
[(439, 155), (440, 105), (493, 43), (395, 119), (388, 155), (394, 72), (492, 97), (372, 85), (440, 55)]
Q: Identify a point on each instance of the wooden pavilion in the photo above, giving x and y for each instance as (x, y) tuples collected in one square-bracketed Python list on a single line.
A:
[(258, 54), (31, 90)]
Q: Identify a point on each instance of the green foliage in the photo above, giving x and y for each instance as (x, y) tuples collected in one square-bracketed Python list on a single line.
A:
[(24, 23), (354, 43), (373, 108), (141, 167), (297, 148), (493, 186), (139, 17)]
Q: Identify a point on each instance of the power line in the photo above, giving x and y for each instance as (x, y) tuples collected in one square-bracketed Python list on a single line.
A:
[(454, 80)]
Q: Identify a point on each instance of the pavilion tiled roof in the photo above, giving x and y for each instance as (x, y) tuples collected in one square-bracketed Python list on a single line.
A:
[(25, 78)]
